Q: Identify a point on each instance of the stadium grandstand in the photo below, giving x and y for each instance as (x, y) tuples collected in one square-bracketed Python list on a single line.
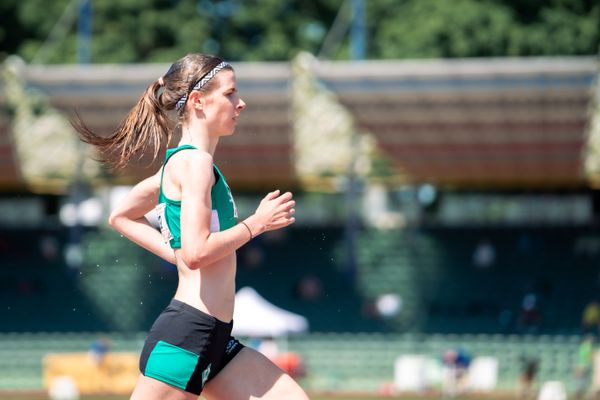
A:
[(479, 231)]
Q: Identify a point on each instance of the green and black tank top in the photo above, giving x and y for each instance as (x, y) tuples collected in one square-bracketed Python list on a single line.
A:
[(224, 212)]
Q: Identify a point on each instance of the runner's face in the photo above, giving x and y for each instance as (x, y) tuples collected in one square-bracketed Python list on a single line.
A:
[(223, 105)]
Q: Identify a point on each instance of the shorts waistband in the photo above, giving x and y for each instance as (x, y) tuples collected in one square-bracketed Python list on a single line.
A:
[(180, 305)]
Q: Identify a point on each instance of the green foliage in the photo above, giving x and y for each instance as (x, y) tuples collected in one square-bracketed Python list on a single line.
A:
[(430, 28), (163, 30), (559, 31), (274, 29), (473, 28)]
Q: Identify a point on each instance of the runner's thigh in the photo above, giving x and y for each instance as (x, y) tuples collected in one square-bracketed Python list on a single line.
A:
[(251, 375), (151, 389)]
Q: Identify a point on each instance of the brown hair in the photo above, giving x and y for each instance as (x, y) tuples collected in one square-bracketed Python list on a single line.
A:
[(148, 125)]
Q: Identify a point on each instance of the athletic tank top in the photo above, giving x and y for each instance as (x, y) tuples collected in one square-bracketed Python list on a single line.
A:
[(224, 212)]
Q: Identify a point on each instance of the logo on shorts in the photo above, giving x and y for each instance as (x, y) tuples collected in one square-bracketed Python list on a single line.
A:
[(205, 374), (231, 345)]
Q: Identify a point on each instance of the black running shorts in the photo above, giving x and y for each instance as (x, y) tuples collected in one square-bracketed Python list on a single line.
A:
[(187, 347)]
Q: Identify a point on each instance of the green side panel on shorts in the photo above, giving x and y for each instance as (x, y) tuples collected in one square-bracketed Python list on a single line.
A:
[(171, 364)]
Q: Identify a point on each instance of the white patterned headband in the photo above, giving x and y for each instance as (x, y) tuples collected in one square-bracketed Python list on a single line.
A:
[(200, 84)]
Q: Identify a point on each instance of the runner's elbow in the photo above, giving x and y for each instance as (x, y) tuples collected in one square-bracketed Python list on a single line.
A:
[(195, 259)]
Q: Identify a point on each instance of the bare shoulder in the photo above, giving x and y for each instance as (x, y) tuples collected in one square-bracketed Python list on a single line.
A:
[(197, 158), (195, 165)]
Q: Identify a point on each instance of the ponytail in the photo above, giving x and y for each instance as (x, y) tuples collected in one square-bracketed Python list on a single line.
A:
[(146, 126)]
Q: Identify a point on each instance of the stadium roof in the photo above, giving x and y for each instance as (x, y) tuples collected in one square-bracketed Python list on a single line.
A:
[(499, 123)]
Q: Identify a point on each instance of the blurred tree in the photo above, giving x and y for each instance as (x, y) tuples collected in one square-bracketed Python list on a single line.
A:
[(270, 29), (429, 28), (10, 27), (473, 28), (163, 30), (559, 30)]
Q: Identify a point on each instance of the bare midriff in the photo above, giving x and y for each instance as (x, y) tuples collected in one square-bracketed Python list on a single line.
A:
[(210, 288)]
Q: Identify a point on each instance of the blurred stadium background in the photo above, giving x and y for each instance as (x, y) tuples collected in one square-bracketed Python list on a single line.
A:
[(444, 156)]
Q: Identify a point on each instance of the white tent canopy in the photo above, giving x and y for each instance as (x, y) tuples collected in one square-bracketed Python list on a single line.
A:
[(256, 317)]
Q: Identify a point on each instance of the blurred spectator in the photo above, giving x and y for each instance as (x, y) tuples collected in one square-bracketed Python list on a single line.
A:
[(584, 366), (506, 320), (484, 255), (49, 247), (290, 362), (590, 319), (457, 362), (369, 309), (99, 349), (252, 256), (529, 369), (275, 238), (309, 288), (530, 318)]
